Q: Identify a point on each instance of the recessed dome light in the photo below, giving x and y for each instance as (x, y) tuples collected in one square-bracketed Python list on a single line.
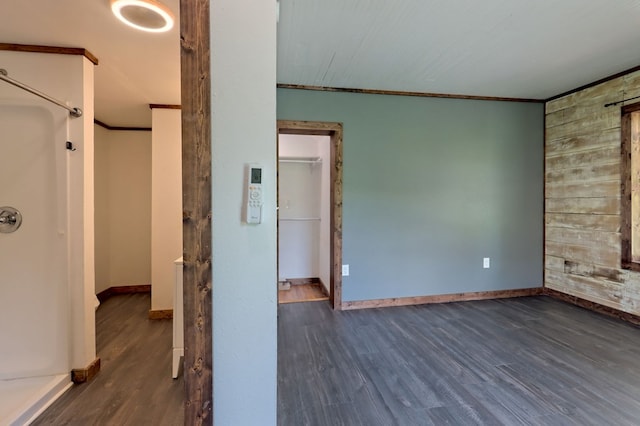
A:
[(145, 15)]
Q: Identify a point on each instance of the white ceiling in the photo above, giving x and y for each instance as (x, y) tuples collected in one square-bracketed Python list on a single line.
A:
[(504, 48), (136, 68)]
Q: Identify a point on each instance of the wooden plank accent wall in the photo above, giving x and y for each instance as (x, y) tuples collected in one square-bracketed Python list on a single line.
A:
[(196, 206), (582, 196)]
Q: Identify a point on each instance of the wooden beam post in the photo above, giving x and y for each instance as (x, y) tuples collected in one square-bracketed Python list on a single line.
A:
[(196, 188)]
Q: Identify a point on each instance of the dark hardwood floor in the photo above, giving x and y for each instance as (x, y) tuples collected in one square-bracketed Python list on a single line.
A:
[(302, 293), (525, 361), (134, 385)]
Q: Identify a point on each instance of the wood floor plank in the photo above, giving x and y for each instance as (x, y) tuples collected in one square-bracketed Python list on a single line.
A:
[(313, 292), (526, 361), (518, 361), (134, 385)]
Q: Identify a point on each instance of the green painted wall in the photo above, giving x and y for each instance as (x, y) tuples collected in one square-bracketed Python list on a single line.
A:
[(431, 186)]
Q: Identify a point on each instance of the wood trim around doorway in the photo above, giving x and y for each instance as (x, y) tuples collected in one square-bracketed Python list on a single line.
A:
[(334, 131), (196, 210)]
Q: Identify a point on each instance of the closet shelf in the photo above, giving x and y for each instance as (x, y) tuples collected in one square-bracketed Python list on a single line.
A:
[(298, 219), (308, 160)]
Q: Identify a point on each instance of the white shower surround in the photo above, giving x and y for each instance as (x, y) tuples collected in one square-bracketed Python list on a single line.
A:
[(34, 335), (47, 316)]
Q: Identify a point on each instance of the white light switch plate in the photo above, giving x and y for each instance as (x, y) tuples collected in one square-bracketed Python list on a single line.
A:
[(486, 263)]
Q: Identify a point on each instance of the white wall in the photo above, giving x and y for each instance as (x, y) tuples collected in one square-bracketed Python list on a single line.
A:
[(324, 256), (102, 208), (70, 78), (33, 260), (299, 224), (123, 208), (166, 204), (81, 223), (243, 66)]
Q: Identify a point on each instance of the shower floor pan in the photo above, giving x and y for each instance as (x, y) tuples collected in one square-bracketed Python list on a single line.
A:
[(22, 400)]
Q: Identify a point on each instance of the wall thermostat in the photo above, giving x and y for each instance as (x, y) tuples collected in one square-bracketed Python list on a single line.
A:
[(254, 195)]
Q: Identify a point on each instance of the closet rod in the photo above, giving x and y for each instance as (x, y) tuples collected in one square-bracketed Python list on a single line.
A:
[(300, 160)]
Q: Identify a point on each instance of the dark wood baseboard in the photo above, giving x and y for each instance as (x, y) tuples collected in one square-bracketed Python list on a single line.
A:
[(302, 281), (82, 375), (123, 128), (443, 298), (125, 289), (593, 306), (160, 314), (325, 289)]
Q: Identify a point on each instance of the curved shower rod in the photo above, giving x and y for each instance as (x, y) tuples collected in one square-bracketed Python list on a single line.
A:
[(4, 75)]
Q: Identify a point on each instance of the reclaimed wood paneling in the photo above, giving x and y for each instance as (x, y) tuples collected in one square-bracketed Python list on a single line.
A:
[(592, 306), (585, 205), (612, 89), (597, 222), (603, 139), (595, 254), (597, 287), (572, 121), (553, 263), (594, 271), (591, 173), (579, 189), (632, 85), (583, 237), (583, 199), (584, 128), (594, 157)]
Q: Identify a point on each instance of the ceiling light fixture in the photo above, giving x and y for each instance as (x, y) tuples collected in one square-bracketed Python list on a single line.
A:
[(145, 15)]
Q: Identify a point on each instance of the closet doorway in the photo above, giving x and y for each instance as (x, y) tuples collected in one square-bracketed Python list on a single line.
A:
[(309, 212)]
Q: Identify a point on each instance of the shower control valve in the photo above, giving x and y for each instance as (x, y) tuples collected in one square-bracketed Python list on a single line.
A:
[(10, 220)]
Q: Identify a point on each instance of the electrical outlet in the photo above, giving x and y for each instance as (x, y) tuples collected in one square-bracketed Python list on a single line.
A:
[(345, 270), (486, 263)]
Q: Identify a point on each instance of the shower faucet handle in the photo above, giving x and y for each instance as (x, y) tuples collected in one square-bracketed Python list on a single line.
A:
[(7, 217), (10, 220)]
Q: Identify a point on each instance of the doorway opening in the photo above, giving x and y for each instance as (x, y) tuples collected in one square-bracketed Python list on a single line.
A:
[(310, 211)]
